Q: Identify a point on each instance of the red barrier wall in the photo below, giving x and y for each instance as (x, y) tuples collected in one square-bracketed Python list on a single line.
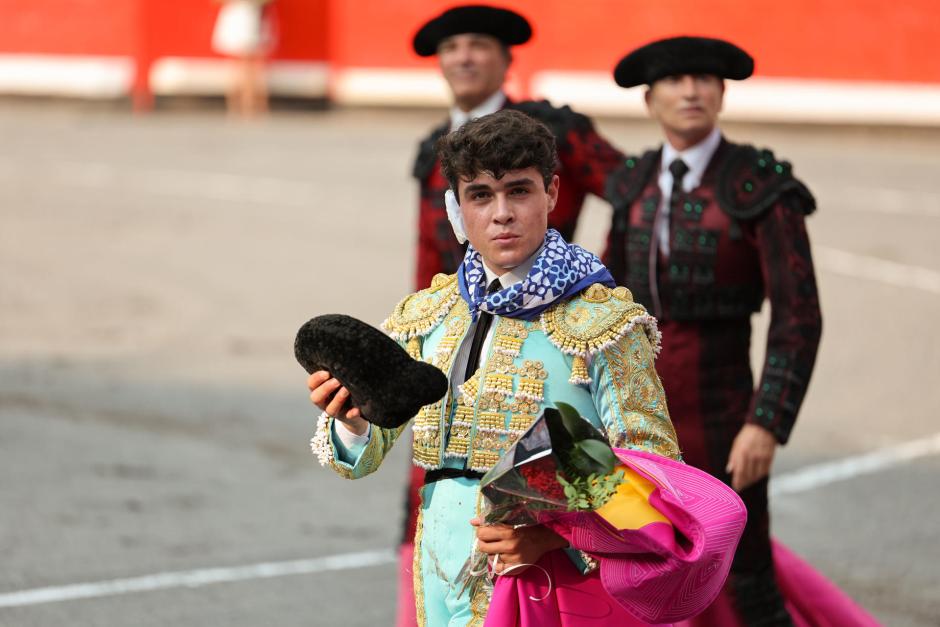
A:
[(86, 27), (164, 27), (828, 39)]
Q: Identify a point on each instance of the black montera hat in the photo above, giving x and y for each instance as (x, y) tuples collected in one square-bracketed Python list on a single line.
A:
[(683, 55), (507, 26), (384, 382)]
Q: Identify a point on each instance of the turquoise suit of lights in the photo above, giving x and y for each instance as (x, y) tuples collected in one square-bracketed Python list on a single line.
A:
[(594, 351)]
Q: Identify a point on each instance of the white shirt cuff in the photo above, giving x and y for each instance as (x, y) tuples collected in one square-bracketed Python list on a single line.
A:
[(349, 439)]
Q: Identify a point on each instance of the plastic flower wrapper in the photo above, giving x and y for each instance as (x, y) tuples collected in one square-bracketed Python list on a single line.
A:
[(560, 464)]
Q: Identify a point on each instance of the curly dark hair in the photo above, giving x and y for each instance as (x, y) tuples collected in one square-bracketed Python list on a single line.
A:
[(495, 144)]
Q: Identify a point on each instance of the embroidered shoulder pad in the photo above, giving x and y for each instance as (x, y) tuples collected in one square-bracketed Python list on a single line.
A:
[(596, 319), (751, 181), (559, 120), (417, 314), (427, 153), (626, 182)]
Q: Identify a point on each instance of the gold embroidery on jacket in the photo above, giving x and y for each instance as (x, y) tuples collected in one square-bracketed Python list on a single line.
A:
[(427, 424), (640, 399), (419, 313), (459, 441), (488, 414), (417, 578), (597, 320)]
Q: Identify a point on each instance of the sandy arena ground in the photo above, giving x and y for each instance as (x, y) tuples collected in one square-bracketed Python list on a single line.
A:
[(154, 270)]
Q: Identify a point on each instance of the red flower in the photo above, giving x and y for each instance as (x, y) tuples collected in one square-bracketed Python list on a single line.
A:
[(540, 475)]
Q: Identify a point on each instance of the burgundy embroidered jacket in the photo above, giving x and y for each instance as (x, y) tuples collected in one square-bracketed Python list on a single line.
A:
[(737, 238)]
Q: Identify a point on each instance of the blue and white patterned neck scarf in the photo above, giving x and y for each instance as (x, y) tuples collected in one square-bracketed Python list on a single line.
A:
[(560, 271)]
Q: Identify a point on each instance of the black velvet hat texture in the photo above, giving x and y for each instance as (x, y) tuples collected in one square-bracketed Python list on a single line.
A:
[(384, 382), (507, 26), (683, 55)]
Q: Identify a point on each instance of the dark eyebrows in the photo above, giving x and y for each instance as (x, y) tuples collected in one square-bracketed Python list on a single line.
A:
[(483, 187), (477, 187), (523, 182)]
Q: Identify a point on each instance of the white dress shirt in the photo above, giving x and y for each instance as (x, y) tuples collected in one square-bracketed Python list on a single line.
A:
[(492, 104), (697, 158)]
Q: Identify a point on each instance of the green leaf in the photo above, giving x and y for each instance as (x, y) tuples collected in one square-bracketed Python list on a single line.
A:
[(574, 424), (586, 461), (561, 438), (582, 464), (599, 452)]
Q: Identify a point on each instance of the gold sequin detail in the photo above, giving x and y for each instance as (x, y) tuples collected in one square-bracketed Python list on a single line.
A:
[(482, 460), (458, 441), (514, 328), (530, 390), (500, 362), (520, 423), (488, 416), (469, 389), (443, 354), (507, 345), (427, 431), (520, 406), (533, 369), (447, 344), (489, 420), (498, 383), (427, 435)]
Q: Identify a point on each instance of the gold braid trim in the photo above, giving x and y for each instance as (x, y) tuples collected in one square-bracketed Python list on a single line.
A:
[(414, 348), (417, 578), (599, 318), (419, 313)]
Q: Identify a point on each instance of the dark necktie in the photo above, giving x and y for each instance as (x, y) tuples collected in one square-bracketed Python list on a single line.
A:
[(679, 169), (479, 334)]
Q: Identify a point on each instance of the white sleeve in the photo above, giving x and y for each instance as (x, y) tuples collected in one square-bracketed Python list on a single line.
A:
[(349, 439)]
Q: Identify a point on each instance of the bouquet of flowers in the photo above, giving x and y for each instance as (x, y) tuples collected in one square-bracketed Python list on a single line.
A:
[(663, 533), (560, 464)]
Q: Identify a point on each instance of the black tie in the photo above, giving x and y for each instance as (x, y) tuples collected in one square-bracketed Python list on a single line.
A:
[(479, 334), (678, 168)]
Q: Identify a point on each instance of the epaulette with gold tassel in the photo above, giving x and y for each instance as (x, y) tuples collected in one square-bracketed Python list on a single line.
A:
[(587, 325), (418, 314)]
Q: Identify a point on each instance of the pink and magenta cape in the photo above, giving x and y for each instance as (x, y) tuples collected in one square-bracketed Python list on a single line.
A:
[(664, 544)]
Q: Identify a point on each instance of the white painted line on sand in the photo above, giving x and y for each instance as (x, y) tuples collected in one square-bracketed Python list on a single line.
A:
[(196, 578), (875, 269), (804, 480), (819, 475)]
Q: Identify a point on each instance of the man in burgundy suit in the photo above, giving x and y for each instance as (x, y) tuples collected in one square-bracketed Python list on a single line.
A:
[(472, 45), (703, 231)]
